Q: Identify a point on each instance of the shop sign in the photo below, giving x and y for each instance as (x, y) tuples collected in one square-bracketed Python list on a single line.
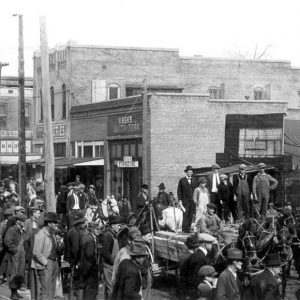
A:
[(11, 146), (128, 164), (127, 124), (58, 131), (127, 158), (14, 133), (255, 145)]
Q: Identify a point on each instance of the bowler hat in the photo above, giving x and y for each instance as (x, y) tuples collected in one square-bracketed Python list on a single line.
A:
[(272, 260), (161, 186), (242, 167), (19, 208), (211, 206), (192, 241), (188, 168), (145, 186), (79, 221), (91, 186), (138, 249), (261, 165), (115, 220), (235, 254), (93, 225), (20, 217), (215, 166), (207, 271), (202, 180), (206, 238), (51, 217)]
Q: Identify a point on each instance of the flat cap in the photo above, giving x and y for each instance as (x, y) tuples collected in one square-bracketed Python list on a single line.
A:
[(206, 238)]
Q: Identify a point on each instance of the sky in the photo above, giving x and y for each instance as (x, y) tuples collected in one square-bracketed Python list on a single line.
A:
[(212, 28)]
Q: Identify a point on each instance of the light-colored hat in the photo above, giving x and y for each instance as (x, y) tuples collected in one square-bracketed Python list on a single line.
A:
[(206, 238), (223, 176), (262, 165), (207, 271), (243, 167)]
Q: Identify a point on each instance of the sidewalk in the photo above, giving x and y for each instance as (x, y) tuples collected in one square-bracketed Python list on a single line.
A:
[(5, 293)]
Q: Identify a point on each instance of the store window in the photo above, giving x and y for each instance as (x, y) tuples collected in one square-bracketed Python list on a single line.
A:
[(64, 101), (91, 149), (52, 102), (3, 116), (113, 91), (59, 149), (258, 93)]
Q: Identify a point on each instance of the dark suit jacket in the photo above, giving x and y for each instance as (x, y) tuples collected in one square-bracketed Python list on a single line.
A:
[(264, 287), (128, 282), (71, 202), (228, 288), (185, 190), (73, 246), (89, 260), (192, 265), (210, 181)]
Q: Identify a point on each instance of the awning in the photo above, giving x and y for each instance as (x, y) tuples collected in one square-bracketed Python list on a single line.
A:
[(63, 162), (14, 159)]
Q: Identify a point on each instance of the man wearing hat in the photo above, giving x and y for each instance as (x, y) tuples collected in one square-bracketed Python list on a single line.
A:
[(242, 191), (229, 286), (198, 259), (209, 223), (44, 264), (91, 195), (227, 204), (128, 284), (162, 199), (61, 204), (213, 182), (262, 184), (185, 192), (265, 285), (13, 264), (109, 251), (73, 251), (89, 262), (207, 286), (142, 198)]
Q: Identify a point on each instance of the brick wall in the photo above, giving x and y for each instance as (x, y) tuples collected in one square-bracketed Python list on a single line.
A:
[(190, 130)]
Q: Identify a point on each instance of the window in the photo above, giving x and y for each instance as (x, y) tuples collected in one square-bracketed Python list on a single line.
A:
[(41, 107), (60, 149), (113, 91), (3, 116), (52, 102), (214, 92), (299, 98), (258, 93), (27, 115), (64, 101), (89, 149)]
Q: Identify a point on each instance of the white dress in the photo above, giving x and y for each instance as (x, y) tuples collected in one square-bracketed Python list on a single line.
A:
[(201, 199)]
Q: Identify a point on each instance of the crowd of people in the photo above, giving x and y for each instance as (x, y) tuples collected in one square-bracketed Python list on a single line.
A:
[(35, 245)]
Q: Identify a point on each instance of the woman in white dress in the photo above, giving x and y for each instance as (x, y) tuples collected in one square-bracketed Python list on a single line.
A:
[(201, 198)]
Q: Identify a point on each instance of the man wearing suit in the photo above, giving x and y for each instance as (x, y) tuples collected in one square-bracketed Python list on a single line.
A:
[(195, 261), (229, 286), (185, 191), (213, 182), (265, 285)]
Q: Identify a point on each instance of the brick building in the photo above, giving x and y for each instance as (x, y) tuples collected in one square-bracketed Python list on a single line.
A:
[(9, 125), (183, 129)]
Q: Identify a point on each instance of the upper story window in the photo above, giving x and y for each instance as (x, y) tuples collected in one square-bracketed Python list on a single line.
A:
[(113, 91), (258, 93), (3, 116), (41, 115), (298, 97), (64, 101), (27, 115), (89, 149), (52, 102), (214, 92)]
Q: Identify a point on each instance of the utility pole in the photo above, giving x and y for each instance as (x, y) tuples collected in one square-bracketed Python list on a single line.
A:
[(145, 140), (48, 138), (21, 109)]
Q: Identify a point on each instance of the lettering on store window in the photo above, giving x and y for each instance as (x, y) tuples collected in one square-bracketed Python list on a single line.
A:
[(125, 125)]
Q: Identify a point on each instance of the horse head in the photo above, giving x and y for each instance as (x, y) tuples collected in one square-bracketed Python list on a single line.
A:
[(249, 242)]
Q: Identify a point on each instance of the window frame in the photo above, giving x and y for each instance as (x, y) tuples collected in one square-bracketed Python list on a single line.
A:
[(214, 92), (114, 86), (258, 90), (27, 118), (52, 98), (64, 101), (5, 114)]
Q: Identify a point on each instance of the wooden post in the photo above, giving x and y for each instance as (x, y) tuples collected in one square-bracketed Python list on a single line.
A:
[(21, 106), (145, 141), (48, 138)]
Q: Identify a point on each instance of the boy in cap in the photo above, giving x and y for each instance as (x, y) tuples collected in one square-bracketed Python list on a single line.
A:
[(129, 279), (229, 286), (185, 192), (162, 197), (265, 285), (209, 223), (207, 286), (13, 263), (262, 184)]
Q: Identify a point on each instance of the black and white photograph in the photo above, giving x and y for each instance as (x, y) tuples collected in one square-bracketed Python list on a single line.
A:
[(150, 150)]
